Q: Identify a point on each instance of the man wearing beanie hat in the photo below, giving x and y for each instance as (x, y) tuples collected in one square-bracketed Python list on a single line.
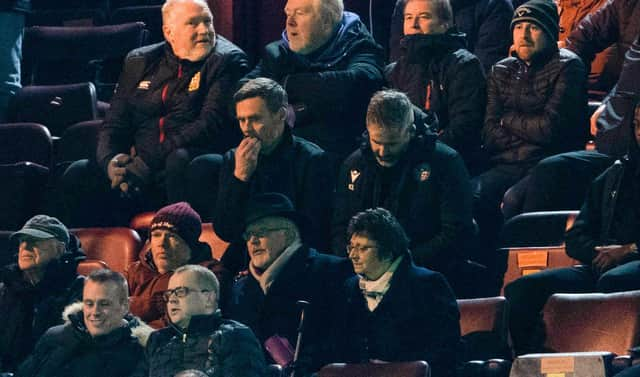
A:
[(173, 242), (536, 107), (35, 290), (283, 270)]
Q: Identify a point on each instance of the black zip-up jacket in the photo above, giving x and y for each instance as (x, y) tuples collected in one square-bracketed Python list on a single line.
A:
[(437, 72), (330, 88), (537, 110), (296, 168), (15, 5), (610, 213), (163, 103), (219, 347), (428, 191)]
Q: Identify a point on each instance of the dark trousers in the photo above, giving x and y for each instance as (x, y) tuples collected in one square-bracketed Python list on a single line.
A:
[(528, 295), (203, 175), (90, 201), (559, 182)]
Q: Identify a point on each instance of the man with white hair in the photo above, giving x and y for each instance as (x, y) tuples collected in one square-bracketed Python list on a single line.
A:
[(172, 103), (330, 66)]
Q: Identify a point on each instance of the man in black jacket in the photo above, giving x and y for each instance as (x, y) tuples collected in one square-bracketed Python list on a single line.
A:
[(173, 102), (34, 291), (197, 336), (441, 77), (329, 65), (97, 338), (604, 237), (420, 180)]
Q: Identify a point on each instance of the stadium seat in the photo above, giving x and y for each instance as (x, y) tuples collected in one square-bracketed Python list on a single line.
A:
[(404, 369), (151, 15), (79, 141), (117, 247), (87, 266), (484, 328)]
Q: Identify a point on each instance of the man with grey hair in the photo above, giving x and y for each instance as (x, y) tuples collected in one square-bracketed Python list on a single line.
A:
[(329, 65), (421, 181), (282, 271), (172, 103)]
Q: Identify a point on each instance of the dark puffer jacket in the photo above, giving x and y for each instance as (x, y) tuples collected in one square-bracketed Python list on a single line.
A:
[(70, 351), (27, 311), (486, 24), (163, 103), (454, 78), (210, 344), (537, 110), (330, 88)]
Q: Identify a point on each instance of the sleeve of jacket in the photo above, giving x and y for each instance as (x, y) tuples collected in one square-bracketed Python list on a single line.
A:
[(235, 351), (581, 239), (466, 101), (215, 121), (563, 108), (341, 213), (595, 32), (232, 194), (455, 216), (315, 203), (53, 351), (494, 37), (495, 137), (116, 133)]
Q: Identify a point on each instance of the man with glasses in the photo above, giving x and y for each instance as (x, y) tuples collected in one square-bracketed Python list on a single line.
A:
[(36, 288), (283, 270), (197, 337), (423, 182)]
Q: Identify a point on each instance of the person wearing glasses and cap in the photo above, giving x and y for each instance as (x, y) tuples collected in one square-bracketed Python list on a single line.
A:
[(283, 270), (395, 310), (197, 337), (35, 289)]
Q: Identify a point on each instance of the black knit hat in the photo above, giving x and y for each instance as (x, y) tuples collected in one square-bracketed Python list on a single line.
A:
[(181, 219), (543, 13)]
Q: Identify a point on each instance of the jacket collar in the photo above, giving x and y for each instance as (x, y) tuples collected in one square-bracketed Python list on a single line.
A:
[(199, 324), (422, 48)]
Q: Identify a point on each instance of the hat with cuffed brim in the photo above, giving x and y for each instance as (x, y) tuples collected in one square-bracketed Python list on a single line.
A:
[(543, 13), (43, 227)]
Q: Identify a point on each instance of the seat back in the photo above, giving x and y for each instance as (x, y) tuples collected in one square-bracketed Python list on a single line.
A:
[(79, 141), (592, 322), (484, 328), (533, 229), (151, 15), (66, 17), (404, 369), (55, 106), (117, 247), (87, 266), (25, 142)]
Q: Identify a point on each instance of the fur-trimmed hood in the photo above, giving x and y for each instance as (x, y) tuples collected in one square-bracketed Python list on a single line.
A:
[(72, 314)]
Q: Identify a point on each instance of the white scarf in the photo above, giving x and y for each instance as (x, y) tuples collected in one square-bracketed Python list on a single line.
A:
[(266, 278), (374, 290)]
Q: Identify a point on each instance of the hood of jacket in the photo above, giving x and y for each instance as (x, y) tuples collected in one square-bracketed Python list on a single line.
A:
[(73, 315), (350, 32), (422, 48)]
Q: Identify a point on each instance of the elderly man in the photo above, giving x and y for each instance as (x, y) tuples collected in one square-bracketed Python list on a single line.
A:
[(173, 102), (197, 337), (441, 77), (34, 291), (282, 271), (173, 242), (97, 338), (268, 159), (396, 311), (404, 169), (536, 107), (329, 65)]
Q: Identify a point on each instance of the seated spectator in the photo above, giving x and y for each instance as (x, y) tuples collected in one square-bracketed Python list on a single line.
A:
[(329, 65), (97, 339), (419, 179), (35, 290), (282, 271), (173, 102), (197, 336), (536, 107), (174, 233), (485, 24), (268, 159), (396, 311), (441, 77), (561, 181), (604, 238)]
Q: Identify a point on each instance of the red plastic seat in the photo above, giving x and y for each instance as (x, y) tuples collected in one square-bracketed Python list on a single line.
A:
[(404, 369), (117, 247)]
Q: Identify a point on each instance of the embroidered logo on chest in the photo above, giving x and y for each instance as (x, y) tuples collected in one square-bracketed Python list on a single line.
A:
[(144, 85), (354, 177), (422, 172), (194, 84)]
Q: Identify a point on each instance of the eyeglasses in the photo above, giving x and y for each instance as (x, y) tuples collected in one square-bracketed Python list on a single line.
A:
[(360, 249), (259, 233), (180, 292)]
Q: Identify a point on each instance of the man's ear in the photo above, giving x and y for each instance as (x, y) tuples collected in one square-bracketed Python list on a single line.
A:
[(282, 114), (166, 32)]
